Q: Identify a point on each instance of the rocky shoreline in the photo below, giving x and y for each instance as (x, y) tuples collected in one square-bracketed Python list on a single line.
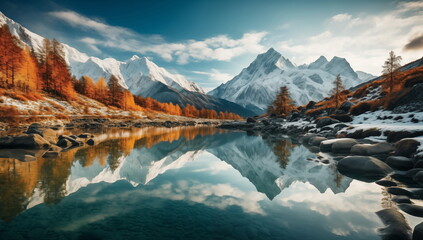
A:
[(47, 140), (394, 163)]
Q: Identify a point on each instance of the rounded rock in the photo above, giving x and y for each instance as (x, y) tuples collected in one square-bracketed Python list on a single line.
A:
[(414, 210), (372, 149), (400, 163), (418, 232), (368, 169), (343, 145), (406, 147), (418, 178), (315, 141)]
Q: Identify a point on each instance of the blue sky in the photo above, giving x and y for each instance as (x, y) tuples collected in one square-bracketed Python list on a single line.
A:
[(211, 41)]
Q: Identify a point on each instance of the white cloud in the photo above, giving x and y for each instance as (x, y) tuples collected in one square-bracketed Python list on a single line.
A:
[(364, 41), (77, 20), (91, 43), (220, 48), (216, 76), (341, 17)]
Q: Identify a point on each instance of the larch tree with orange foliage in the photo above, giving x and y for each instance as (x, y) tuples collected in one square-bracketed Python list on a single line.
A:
[(28, 75), (10, 57), (115, 91), (127, 102), (62, 80), (336, 92), (101, 90), (283, 104), (87, 86)]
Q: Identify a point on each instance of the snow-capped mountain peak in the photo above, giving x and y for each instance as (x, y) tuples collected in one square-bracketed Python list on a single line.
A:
[(320, 63), (256, 86), (338, 65), (139, 72), (135, 57)]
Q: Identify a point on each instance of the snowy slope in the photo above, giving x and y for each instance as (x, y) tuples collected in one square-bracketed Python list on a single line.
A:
[(365, 76), (135, 74), (257, 85)]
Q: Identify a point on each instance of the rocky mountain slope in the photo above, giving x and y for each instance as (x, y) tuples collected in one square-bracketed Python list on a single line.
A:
[(257, 85)]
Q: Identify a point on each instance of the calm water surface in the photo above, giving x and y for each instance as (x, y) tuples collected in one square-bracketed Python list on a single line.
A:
[(185, 183)]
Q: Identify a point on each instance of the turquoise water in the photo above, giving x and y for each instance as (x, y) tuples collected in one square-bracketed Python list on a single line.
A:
[(185, 183)]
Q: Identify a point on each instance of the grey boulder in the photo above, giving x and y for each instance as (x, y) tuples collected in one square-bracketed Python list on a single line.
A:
[(25, 141), (418, 178), (343, 145), (372, 149), (400, 163), (414, 210), (364, 168), (325, 121), (418, 232), (315, 141)]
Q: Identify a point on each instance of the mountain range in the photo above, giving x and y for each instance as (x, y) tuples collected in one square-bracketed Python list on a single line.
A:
[(138, 74), (258, 84), (249, 93)]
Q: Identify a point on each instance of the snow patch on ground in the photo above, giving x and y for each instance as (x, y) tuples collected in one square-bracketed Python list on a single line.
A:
[(386, 121)]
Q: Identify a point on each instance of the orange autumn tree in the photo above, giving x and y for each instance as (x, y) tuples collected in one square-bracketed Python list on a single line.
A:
[(127, 102), (54, 70), (10, 57), (28, 77), (115, 91), (87, 86), (101, 90)]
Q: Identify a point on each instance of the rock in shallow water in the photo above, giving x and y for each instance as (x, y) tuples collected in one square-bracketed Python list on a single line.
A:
[(418, 232), (386, 183), (414, 210), (400, 163), (419, 164), (30, 141), (340, 145), (51, 154), (364, 168), (372, 149), (64, 143), (418, 178), (401, 199), (315, 141), (396, 225), (90, 142), (399, 191), (343, 145), (50, 135)]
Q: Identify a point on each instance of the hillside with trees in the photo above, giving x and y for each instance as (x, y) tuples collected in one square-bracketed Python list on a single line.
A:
[(395, 90), (27, 76)]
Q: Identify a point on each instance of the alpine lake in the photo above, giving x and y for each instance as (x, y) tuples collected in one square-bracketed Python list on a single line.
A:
[(187, 183)]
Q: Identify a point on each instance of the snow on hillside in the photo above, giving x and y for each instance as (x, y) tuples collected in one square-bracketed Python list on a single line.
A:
[(132, 73), (365, 76), (50, 107), (384, 120), (257, 85)]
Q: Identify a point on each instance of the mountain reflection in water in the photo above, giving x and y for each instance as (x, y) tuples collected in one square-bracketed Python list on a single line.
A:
[(156, 168)]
